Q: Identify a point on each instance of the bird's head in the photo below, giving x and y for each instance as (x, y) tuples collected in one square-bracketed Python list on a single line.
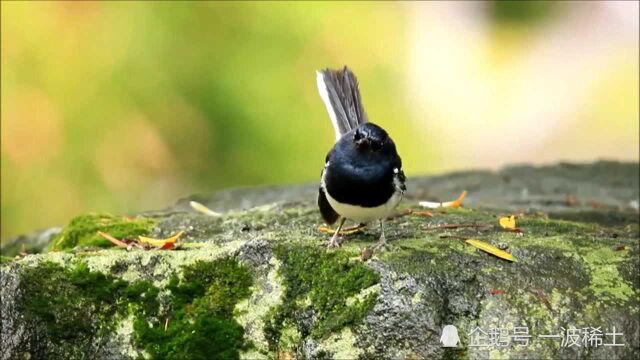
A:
[(370, 137)]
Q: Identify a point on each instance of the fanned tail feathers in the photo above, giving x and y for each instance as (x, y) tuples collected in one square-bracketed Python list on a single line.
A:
[(339, 92)]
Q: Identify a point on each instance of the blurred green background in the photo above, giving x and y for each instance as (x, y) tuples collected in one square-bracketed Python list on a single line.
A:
[(127, 106)]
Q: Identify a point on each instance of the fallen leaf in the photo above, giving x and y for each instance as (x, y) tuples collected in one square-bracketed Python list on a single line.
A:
[(455, 226), (495, 292), (452, 204), (405, 213), (344, 231), (543, 299), (422, 213), (508, 222), (203, 209), (596, 205), (165, 244), (570, 200), (490, 249), (457, 202), (114, 241), (416, 212)]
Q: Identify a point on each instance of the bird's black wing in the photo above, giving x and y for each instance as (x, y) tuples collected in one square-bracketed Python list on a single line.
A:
[(339, 92), (329, 215)]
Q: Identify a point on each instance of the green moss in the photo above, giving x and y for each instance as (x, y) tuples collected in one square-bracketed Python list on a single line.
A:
[(201, 324), (324, 283), (73, 308), (431, 256), (83, 230), (606, 282), (608, 217), (546, 227)]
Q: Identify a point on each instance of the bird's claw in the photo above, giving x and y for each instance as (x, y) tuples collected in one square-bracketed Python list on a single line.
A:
[(333, 243), (381, 245)]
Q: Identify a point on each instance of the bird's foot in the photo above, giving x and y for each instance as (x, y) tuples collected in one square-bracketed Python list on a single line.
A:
[(333, 242), (382, 244)]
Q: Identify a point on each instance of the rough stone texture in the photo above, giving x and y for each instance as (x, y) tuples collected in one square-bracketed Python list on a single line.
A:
[(577, 267)]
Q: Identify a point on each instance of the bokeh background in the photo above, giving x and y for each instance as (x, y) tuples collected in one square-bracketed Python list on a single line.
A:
[(127, 106)]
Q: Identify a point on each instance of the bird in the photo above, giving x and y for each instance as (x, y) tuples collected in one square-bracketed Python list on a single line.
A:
[(362, 179)]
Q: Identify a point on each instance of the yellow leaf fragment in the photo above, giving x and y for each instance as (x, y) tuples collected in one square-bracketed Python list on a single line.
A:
[(457, 202), (203, 209), (344, 231), (161, 243), (452, 204), (508, 222), (490, 249)]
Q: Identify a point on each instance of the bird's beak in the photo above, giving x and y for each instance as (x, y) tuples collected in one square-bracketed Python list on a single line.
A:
[(363, 143)]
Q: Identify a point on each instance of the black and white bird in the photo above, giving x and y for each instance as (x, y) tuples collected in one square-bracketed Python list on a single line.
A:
[(362, 179)]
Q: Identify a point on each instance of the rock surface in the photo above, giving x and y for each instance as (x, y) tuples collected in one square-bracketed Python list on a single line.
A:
[(257, 281)]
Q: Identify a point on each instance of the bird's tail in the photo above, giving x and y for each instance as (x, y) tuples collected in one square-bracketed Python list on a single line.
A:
[(339, 92)]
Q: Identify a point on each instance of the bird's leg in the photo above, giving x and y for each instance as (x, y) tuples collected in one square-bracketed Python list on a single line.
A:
[(382, 243), (334, 243)]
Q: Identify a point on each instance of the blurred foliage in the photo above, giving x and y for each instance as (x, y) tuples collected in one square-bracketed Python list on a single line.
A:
[(126, 106), (521, 12)]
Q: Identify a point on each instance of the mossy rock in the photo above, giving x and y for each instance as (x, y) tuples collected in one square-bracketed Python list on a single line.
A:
[(257, 282), (82, 230)]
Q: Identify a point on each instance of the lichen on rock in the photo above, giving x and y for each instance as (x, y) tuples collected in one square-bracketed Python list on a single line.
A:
[(200, 320), (73, 312), (258, 282), (68, 312), (320, 290)]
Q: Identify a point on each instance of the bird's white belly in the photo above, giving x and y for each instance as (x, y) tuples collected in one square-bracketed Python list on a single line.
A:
[(365, 214)]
